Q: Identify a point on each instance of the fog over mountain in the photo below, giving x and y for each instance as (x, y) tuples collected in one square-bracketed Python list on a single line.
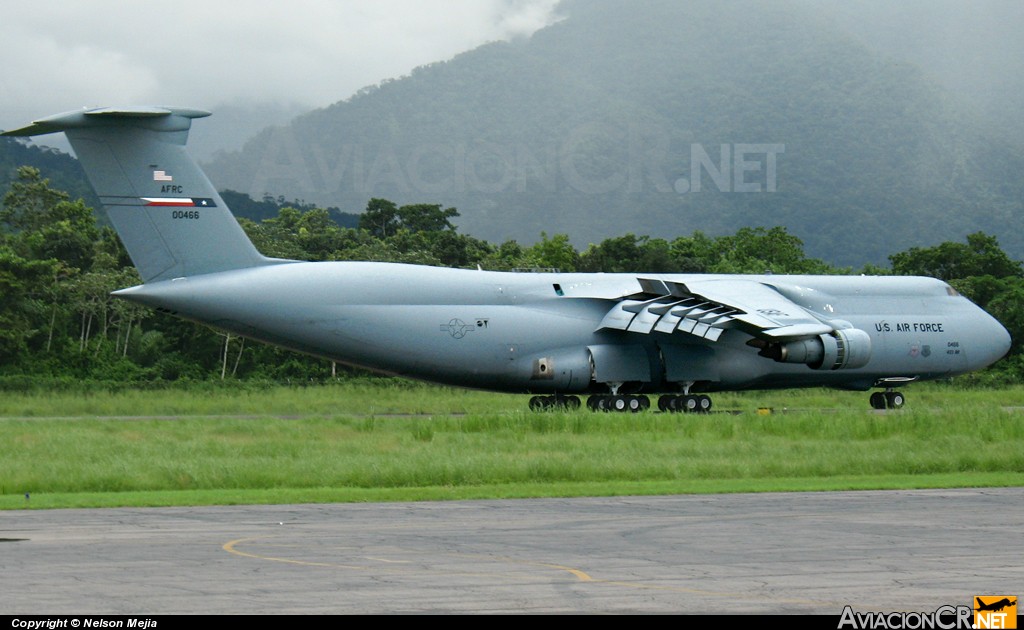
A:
[(662, 118), (973, 49), (864, 127)]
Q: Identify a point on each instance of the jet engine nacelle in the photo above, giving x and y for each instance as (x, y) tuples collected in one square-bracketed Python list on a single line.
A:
[(562, 370), (845, 349)]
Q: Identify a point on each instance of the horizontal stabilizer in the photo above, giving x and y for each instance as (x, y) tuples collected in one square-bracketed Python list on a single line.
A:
[(171, 119)]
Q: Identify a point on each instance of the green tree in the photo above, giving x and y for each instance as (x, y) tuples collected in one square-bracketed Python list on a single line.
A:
[(979, 256), (506, 257), (426, 217), (763, 250), (380, 218), (43, 224), (632, 253), (29, 201), (318, 235), (553, 253), (383, 218), (614, 255), (1008, 307), (696, 253), (22, 307)]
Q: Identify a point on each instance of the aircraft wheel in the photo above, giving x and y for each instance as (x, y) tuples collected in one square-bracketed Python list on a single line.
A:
[(537, 403), (593, 403), (672, 404), (645, 403), (878, 400), (663, 403), (894, 400), (619, 403), (703, 404), (690, 404), (573, 403), (634, 404)]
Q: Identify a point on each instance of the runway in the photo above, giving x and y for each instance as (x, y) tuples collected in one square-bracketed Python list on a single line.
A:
[(705, 554)]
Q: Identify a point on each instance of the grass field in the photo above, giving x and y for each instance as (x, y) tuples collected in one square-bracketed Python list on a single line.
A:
[(384, 442)]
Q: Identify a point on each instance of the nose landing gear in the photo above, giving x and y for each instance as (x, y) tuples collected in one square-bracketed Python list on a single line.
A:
[(888, 399)]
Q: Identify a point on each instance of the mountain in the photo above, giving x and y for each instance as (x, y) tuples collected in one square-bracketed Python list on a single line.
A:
[(659, 117), (235, 123), (971, 48)]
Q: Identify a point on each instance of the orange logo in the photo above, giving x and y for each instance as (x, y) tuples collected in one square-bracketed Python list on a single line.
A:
[(995, 611)]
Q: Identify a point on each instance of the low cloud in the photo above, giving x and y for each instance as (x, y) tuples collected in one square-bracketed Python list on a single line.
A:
[(65, 54)]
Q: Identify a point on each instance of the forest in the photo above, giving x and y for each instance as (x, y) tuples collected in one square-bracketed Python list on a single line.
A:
[(58, 266)]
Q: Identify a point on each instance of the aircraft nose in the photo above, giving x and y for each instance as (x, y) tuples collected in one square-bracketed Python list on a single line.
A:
[(992, 342)]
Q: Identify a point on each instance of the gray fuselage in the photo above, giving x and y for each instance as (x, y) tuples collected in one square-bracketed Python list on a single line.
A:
[(539, 332)]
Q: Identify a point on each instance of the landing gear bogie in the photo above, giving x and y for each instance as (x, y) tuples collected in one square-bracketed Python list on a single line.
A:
[(688, 403), (550, 403), (621, 403)]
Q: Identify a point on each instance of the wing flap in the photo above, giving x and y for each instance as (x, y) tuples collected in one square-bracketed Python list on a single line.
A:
[(706, 308)]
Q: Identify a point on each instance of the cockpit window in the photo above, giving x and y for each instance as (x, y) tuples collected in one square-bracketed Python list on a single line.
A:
[(951, 291)]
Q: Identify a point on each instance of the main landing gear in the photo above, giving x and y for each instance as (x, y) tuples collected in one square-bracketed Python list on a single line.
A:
[(888, 399), (545, 403), (621, 403), (625, 403), (688, 403), (671, 403)]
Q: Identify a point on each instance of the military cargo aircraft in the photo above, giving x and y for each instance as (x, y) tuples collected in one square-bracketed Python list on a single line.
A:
[(615, 337)]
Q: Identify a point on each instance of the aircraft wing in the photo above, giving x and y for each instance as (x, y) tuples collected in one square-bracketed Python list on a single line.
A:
[(706, 308)]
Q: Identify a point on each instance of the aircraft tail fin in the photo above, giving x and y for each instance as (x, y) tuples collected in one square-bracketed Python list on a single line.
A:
[(169, 216)]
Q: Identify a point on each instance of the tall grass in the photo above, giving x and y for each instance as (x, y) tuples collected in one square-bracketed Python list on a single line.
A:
[(351, 397), (251, 442)]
